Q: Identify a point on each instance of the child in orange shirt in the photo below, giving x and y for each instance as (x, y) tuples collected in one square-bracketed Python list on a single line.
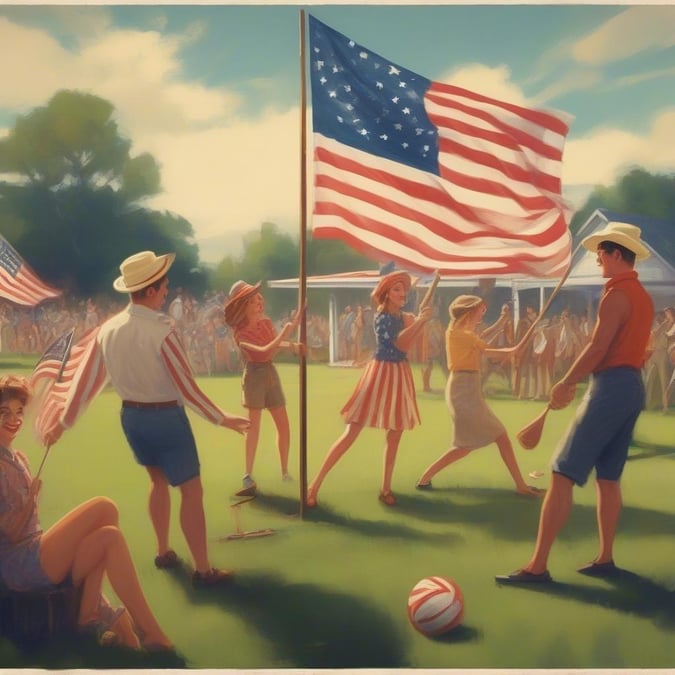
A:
[(259, 342), (475, 425)]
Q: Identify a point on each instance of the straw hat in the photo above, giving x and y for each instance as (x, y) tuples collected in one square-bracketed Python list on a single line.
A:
[(624, 234), (462, 304), (141, 270), (235, 305), (386, 282)]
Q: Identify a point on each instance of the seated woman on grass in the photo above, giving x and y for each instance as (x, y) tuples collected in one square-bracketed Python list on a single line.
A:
[(84, 546)]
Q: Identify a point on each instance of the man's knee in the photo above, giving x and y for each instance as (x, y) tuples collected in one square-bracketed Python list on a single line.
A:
[(192, 489)]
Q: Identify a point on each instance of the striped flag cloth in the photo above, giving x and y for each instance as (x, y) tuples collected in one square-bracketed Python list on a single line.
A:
[(430, 175), (53, 360), (18, 283), (54, 400)]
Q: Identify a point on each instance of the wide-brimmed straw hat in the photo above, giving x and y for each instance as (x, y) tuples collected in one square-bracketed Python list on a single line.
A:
[(386, 282), (235, 306), (463, 304), (141, 270), (624, 234)]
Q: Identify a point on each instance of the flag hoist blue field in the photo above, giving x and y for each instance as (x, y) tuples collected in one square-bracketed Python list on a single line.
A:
[(330, 590)]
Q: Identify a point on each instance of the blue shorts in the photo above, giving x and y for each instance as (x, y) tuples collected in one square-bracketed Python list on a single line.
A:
[(601, 432), (162, 438)]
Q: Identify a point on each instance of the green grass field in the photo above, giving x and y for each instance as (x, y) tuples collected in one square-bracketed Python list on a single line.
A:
[(330, 590)]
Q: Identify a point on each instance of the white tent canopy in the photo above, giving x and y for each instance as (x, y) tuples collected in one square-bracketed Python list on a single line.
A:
[(656, 273)]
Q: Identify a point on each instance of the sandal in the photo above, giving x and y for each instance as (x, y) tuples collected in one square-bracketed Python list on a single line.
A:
[(310, 499), (387, 498)]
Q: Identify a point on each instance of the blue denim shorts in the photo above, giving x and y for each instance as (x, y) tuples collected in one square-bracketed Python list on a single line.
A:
[(162, 438), (601, 432)]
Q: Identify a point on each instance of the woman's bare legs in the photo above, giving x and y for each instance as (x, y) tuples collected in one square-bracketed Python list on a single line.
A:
[(87, 544), (252, 436), (335, 452), (280, 417), (393, 439), (509, 459), (446, 459)]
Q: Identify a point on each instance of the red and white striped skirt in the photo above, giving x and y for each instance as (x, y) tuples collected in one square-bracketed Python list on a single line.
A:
[(384, 397)]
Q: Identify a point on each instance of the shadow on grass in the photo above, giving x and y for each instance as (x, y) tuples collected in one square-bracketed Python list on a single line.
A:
[(651, 450), (627, 592), (370, 528), (513, 517), (308, 626), (77, 651), (462, 633)]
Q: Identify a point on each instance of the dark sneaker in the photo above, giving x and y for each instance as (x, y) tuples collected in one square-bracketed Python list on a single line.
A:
[(523, 577), (212, 577), (167, 560), (248, 487)]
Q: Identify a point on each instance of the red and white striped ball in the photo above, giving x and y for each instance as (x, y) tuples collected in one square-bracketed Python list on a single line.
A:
[(435, 605)]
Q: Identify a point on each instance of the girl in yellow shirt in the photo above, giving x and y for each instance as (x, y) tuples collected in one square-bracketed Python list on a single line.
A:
[(475, 425)]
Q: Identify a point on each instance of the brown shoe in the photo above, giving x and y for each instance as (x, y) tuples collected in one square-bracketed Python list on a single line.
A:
[(167, 560), (212, 577)]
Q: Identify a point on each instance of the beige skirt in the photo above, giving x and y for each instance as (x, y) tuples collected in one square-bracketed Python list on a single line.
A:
[(475, 424)]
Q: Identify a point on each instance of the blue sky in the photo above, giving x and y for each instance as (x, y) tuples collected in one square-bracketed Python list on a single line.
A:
[(212, 91)]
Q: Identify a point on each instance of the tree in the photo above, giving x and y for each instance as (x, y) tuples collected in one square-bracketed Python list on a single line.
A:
[(638, 192), (71, 198)]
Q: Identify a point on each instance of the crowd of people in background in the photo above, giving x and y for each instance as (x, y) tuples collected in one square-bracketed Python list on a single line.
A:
[(211, 348)]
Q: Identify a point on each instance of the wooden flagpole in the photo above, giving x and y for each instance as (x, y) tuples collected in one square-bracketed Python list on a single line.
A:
[(302, 277)]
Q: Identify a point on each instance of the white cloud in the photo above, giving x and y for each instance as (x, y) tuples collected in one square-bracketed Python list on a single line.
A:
[(231, 179), (605, 153), (637, 29), (494, 82)]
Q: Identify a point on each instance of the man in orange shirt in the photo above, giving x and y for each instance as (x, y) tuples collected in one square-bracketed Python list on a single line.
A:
[(600, 435)]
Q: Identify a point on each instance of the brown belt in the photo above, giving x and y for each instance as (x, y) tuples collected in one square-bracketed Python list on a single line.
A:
[(149, 406)]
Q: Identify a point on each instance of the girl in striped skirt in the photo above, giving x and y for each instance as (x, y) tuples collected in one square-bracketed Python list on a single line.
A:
[(385, 394)]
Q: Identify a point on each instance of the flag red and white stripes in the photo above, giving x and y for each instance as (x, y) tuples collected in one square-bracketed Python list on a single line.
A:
[(433, 176), (18, 283), (54, 400)]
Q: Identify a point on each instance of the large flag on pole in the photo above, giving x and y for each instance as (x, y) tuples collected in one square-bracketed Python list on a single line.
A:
[(18, 283), (430, 175)]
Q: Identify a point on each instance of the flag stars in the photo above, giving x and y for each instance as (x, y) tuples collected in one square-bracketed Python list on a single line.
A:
[(393, 70), (332, 94), (406, 111), (323, 80), (404, 145), (379, 85), (395, 99), (363, 55), (398, 126), (402, 85), (320, 64)]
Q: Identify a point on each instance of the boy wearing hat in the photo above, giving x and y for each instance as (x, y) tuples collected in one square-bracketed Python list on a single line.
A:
[(600, 434), (139, 352)]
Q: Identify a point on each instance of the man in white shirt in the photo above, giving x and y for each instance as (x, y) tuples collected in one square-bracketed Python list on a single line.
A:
[(139, 352)]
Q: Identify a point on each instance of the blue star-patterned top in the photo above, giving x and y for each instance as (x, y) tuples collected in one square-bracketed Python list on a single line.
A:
[(387, 328)]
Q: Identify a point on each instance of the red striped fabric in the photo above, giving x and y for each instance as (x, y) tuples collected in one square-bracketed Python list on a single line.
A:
[(92, 376), (494, 207), (18, 283)]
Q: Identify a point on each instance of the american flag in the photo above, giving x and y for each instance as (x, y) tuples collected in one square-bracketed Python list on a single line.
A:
[(53, 360), (430, 175), (53, 401), (18, 283)]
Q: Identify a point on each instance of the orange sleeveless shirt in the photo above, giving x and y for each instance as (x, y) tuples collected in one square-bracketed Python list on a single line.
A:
[(630, 343)]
